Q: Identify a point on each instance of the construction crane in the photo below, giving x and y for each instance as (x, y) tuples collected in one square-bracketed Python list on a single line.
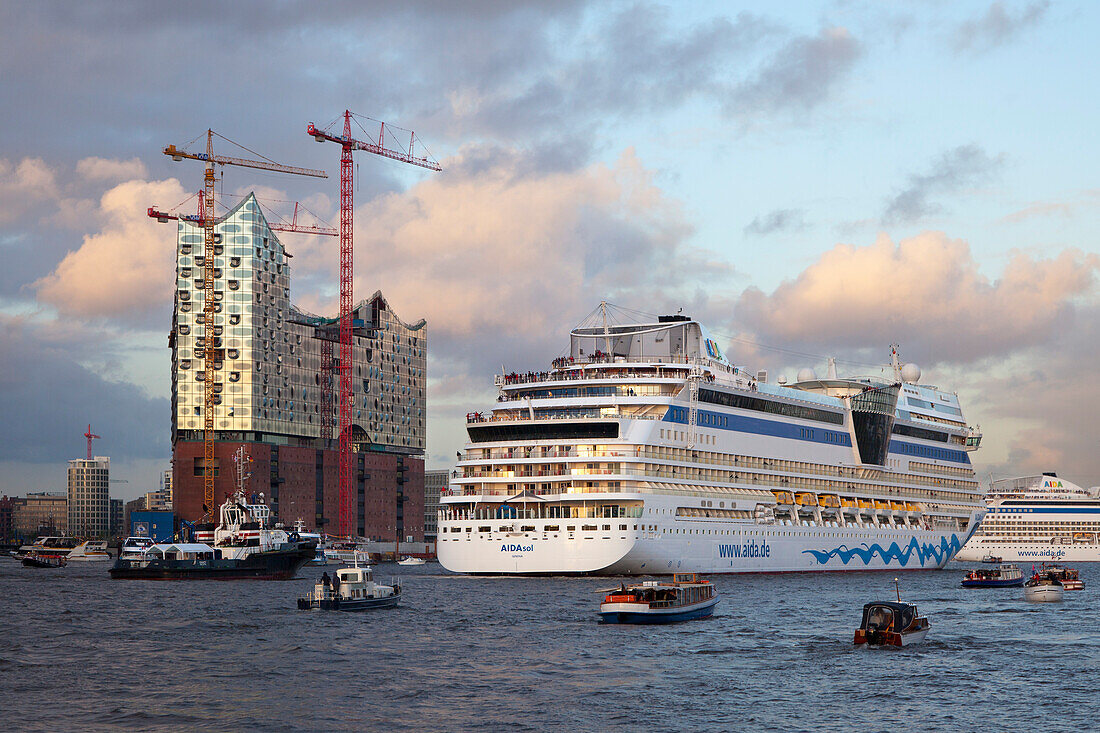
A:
[(210, 354), (293, 226), (348, 144), (90, 438)]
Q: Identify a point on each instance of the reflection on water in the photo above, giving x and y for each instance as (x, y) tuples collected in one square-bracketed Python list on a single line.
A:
[(82, 652)]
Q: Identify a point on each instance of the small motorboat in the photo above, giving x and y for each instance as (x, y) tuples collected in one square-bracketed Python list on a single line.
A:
[(992, 559), (1005, 576), (351, 589), (1068, 577), (43, 560), (1041, 588), (683, 598), (891, 623), (410, 560)]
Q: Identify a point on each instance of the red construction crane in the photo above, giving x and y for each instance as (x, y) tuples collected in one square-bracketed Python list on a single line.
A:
[(90, 437), (347, 144), (211, 355)]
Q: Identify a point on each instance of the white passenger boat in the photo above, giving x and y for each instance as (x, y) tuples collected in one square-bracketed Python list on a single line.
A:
[(1038, 518), (411, 561), (645, 450), (684, 598), (133, 548), (90, 551), (54, 546)]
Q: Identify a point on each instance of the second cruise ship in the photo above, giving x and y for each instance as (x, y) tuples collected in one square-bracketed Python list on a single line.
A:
[(645, 451)]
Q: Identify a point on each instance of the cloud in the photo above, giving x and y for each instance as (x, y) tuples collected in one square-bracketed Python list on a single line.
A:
[(126, 270), (954, 170), (23, 184), (799, 76), (926, 292), (104, 169), (1085, 200), (777, 221), (49, 397), (500, 257), (997, 26)]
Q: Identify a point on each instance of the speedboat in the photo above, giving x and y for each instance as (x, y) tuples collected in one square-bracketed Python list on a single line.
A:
[(352, 589), (683, 598), (1041, 588), (90, 551), (409, 560), (1068, 577), (1005, 576)]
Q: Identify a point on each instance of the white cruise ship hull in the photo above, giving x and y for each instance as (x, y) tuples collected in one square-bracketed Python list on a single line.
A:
[(690, 546), (974, 551)]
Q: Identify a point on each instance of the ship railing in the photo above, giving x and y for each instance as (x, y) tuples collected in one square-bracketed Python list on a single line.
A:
[(478, 417)]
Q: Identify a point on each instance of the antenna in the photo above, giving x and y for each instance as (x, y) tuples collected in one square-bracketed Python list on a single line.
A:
[(897, 589)]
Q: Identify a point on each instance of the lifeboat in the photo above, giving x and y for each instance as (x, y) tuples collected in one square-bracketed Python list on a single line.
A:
[(829, 500), (884, 505), (866, 504), (784, 498), (805, 498)]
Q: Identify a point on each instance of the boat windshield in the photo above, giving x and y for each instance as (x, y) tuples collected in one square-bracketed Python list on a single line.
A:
[(888, 616)]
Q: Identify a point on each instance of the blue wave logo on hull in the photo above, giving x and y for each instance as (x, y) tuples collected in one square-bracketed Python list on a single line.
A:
[(903, 555)]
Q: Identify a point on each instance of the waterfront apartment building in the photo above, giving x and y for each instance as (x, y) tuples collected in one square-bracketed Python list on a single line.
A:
[(116, 514), (89, 508), (276, 386), (434, 483), (39, 513), (7, 533)]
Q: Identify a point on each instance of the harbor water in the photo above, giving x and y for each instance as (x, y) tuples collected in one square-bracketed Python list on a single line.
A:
[(82, 652)]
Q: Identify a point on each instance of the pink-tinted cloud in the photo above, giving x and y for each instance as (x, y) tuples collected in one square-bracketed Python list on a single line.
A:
[(126, 269), (109, 170), (494, 249), (927, 289), (24, 183)]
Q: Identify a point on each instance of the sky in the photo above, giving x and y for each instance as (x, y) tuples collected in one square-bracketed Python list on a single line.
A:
[(809, 179)]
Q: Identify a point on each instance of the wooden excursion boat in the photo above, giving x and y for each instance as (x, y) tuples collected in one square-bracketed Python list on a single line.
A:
[(1068, 577), (43, 560), (683, 598), (1005, 576), (891, 623)]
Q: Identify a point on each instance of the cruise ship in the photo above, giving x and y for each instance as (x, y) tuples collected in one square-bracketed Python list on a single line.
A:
[(1038, 518), (645, 451)]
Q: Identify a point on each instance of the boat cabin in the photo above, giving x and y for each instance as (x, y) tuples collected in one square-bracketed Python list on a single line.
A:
[(888, 616)]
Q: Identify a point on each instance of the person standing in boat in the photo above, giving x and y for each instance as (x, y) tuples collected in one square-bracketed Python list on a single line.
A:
[(336, 584), (324, 579)]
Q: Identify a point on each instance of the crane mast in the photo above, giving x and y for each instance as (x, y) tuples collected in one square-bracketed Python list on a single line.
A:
[(344, 366), (212, 354)]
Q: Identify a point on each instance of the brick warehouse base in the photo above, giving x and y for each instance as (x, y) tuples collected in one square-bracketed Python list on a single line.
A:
[(303, 483)]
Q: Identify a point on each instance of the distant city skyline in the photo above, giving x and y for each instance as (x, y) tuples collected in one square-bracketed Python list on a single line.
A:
[(810, 179)]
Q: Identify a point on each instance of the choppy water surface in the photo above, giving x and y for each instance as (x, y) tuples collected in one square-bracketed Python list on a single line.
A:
[(79, 651)]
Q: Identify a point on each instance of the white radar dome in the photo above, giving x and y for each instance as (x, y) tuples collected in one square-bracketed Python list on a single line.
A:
[(910, 373), (806, 374)]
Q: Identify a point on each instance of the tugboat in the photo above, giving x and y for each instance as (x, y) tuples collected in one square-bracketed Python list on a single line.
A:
[(1043, 588), (889, 623), (352, 589), (243, 547), (686, 597), (1006, 576), (1068, 577)]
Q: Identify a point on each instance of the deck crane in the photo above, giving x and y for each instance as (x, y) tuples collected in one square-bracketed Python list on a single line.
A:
[(211, 355), (348, 144)]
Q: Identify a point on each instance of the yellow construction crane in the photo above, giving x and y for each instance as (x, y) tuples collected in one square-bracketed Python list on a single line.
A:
[(211, 353)]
